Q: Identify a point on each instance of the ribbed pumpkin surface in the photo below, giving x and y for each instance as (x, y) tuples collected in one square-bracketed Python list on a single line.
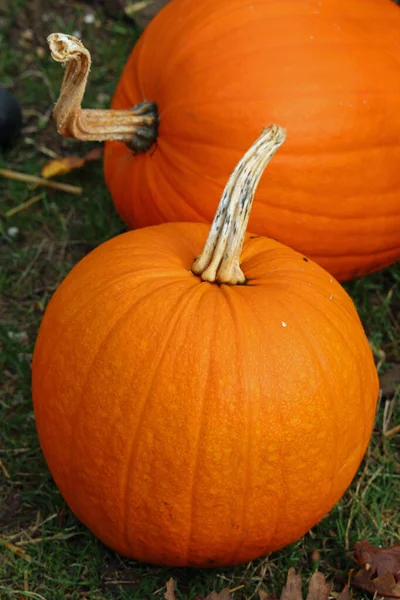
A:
[(327, 70), (188, 423)]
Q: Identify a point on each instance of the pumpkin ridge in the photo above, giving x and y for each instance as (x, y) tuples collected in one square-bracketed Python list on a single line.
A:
[(350, 346), (223, 60), (119, 322), (324, 315), (285, 275), (111, 331), (130, 175), (282, 487), (228, 291), (197, 141), (178, 105), (311, 343), (345, 218), (290, 154), (160, 207), (202, 424), (239, 345), (163, 168), (365, 254), (356, 149), (112, 283), (177, 312), (269, 21), (119, 167), (87, 304)]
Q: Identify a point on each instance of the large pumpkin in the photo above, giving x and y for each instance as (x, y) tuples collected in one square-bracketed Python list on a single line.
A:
[(202, 414), (328, 70)]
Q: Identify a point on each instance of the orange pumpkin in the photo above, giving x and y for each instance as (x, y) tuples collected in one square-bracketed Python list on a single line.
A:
[(202, 413), (328, 70)]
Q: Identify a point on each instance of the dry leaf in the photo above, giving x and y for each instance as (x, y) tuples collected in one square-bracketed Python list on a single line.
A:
[(292, 589), (384, 562), (362, 580), (388, 583), (385, 585), (378, 560), (170, 587), (318, 588), (344, 594), (59, 166)]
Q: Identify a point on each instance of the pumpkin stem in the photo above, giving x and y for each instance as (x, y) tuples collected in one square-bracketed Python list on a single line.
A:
[(136, 127), (220, 259)]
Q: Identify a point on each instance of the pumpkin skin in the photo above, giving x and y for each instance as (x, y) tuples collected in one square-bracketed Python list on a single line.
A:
[(188, 423), (329, 71)]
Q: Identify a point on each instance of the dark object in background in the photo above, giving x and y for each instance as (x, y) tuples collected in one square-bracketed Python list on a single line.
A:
[(143, 12), (139, 12), (10, 118)]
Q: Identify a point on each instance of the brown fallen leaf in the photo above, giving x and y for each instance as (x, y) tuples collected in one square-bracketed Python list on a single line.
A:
[(318, 588), (388, 583), (378, 560), (60, 166), (344, 594), (382, 562), (292, 589), (384, 586)]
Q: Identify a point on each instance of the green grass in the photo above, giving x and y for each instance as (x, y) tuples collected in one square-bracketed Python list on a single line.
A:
[(61, 558)]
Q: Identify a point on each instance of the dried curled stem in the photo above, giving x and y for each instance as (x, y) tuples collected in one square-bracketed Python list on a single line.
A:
[(220, 259), (136, 127)]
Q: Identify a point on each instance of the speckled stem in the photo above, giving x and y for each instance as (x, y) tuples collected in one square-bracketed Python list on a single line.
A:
[(136, 127), (220, 259)]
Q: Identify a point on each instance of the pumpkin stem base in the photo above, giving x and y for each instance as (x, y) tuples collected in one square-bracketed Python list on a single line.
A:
[(220, 260), (136, 127)]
